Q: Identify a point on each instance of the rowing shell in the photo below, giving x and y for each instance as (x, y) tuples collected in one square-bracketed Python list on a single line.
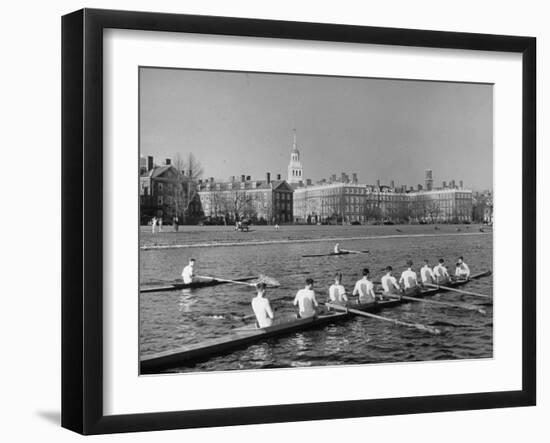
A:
[(242, 337), (336, 253), (193, 285)]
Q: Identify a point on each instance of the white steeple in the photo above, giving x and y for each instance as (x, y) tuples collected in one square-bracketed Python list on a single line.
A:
[(295, 169)]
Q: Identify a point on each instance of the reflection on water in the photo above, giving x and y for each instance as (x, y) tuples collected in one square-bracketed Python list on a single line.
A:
[(186, 300), (172, 319)]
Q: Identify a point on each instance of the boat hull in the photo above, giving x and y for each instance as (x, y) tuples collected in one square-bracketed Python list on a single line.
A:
[(194, 285)]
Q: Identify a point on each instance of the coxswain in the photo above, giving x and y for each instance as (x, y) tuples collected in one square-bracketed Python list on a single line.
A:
[(441, 273), (462, 271), (426, 273), (306, 301), (262, 308), (188, 273), (389, 283), (408, 279), (337, 292), (364, 289), (337, 248)]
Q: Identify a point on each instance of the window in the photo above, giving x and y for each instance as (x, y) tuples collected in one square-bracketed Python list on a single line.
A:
[(160, 200), (145, 190), (159, 187)]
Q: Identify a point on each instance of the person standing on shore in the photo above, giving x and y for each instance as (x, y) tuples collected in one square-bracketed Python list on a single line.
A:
[(364, 289), (153, 224), (262, 308), (160, 224), (306, 301)]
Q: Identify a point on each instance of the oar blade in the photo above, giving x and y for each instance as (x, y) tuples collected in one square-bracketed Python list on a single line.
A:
[(269, 281)]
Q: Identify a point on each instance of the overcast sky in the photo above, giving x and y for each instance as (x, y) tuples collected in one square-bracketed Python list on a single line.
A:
[(241, 123)]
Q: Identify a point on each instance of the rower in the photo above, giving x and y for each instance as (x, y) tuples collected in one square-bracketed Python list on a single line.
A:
[(262, 308), (188, 273), (426, 273), (389, 283), (365, 289), (306, 301), (337, 248), (408, 280), (462, 271), (337, 292), (441, 273)]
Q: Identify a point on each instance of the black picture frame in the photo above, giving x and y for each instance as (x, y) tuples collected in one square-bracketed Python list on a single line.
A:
[(82, 218)]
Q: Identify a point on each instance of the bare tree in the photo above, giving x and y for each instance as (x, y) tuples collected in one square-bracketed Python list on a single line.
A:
[(240, 204), (191, 170), (433, 210)]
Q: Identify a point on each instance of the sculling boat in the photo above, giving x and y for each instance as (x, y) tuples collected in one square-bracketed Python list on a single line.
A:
[(193, 285), (242, 337), (336, 253)]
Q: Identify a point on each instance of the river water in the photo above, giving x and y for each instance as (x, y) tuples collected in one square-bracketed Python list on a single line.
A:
[(169, 320)]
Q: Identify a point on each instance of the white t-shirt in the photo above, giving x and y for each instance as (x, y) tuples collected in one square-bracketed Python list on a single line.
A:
[(389, 283), (408, 278), (262, 311), (427, 275), (462, 270), (365, 289), (440, 272), (187, 274), (306, 301), (337, 293)]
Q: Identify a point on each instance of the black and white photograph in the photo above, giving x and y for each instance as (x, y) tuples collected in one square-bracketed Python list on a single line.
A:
[(295, 221)]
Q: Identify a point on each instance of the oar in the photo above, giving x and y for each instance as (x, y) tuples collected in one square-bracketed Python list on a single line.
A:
[(440, 303), (419, 326), (270, 281), (448, 288)]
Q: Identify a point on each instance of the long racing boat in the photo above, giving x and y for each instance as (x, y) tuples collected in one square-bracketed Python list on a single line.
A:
[(242, 337), (193, 285)]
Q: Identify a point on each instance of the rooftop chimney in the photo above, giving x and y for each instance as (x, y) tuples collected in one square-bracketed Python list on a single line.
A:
[(211, 179), (461, 184), (278, 176), (308, 182), (149, 162), (242, 178), (354, 177), (167, 162), (444, 184), (268, 177), (420, 187), (378, 182), (248, 178)]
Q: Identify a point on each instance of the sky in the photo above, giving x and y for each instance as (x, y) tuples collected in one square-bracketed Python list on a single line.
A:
[(242, 123)]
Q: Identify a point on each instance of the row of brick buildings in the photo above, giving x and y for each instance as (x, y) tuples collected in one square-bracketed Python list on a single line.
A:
[(166, 192)]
